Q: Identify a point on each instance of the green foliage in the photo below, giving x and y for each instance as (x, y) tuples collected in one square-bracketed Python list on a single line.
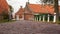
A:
[(10, 13), (47, 1), (11, 8), (6, 21)]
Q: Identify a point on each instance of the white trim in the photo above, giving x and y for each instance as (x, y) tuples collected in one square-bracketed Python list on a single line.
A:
[(48, 18), (36, 14), (43, 18), (17, 17), (39, 18), (54, 20)]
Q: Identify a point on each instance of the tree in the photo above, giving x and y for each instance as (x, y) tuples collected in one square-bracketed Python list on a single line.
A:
[(56, 6), (47, 1), (10, 12)]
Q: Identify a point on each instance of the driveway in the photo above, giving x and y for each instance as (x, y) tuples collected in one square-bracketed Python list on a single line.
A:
[(29, 27)]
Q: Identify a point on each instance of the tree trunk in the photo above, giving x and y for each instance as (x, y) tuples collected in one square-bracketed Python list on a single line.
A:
[(56, 9)]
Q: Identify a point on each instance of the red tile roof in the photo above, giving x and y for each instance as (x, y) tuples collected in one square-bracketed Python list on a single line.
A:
[(41, 9), (3, 5), (20, 11)]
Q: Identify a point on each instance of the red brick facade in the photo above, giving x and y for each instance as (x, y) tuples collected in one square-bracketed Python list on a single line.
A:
[(3, 7), (31, 9), (20, 12)]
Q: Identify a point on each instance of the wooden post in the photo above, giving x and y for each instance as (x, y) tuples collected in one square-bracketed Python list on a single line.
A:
[(39, 18), (48, 18), (54, 20), (43, 18)]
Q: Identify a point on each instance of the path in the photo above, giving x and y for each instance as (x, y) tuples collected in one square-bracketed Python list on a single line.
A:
[(29, 27)]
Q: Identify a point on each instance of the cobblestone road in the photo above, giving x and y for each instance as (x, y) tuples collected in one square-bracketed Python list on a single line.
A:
[(29, 27)]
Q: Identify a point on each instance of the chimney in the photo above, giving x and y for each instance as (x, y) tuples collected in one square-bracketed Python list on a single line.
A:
[(20, 6), (27, 2)]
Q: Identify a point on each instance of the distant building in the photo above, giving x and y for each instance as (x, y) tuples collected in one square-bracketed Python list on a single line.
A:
[(4, 8), (36, 12), (20, 13)]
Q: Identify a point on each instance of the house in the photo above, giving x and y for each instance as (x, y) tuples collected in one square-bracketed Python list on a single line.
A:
[(4, 8), (20, 13), (38, 12)]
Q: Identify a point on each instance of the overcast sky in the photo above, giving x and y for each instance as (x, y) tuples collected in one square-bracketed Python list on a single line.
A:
[(17, 3)]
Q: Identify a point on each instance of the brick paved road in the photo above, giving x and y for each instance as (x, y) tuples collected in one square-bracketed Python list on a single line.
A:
[(29, 27)]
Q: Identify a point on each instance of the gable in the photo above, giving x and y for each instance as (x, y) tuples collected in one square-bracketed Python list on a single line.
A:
[(27, 9), (20, 11), (3, 6)]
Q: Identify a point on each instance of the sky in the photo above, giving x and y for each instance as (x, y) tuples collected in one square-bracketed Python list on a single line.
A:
[(17, 3)]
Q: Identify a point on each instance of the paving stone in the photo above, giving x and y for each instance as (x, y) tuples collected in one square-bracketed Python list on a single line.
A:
[(29, 27)]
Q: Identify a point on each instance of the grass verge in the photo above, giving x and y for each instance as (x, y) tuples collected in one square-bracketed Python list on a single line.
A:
[(6, 20)]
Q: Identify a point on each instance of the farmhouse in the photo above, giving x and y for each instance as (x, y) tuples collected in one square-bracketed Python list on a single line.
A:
[(4, 8), (20, 14), (37, 12)]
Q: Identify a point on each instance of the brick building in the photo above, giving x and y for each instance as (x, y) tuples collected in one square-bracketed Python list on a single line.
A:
[(37, 12), (20, 13), (4, 8)]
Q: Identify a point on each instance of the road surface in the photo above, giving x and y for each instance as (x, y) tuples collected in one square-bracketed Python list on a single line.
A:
[(29, 27)]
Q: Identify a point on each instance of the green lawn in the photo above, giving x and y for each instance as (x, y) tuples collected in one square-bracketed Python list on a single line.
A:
[(4, 21), (58, 22)]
